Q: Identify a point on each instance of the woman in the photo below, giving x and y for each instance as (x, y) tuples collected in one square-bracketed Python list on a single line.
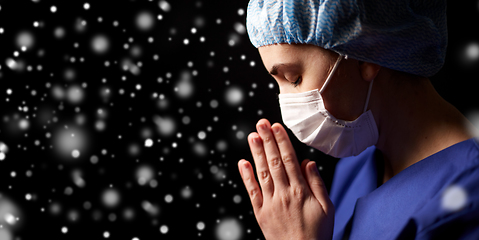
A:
[(353, 80)]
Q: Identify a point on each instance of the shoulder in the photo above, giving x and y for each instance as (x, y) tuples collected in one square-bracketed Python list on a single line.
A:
[(453, 213)]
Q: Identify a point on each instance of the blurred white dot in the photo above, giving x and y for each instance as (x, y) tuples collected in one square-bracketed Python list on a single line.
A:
[(454, 198), (221, 145), (106, 234), (150, 208), (100, 44), (240, 135), (145, 21), (9, 218), (234, 96), (3, 147), (200, 149), (214, 103), (186, 41), (24, 124), (168, 198), (148, 143), (75, 153), (240, 12), (164, 229), (64, 229), (240, 28), (186, 192), (472, 51), (111, 198), (25, 39), (200, 226), (2, 156), (201, 135), (144, 174), (164, 5), (75, 94), (270, 85), (184, 88), (166, 125), (237, 199), (12, 64), (28, 196), (59, 32), (229, 229), (53, 9), (86, 6)]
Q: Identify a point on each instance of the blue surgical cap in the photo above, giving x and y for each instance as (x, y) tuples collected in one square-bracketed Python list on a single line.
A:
[(404, 35)]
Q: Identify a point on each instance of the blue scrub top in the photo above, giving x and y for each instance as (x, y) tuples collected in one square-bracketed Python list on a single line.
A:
[(417, 203)]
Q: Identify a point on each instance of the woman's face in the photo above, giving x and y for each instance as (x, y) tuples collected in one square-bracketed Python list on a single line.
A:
[(302, 67), (297, 68)]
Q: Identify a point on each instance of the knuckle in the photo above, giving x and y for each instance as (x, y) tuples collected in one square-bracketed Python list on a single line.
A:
[(264, 176), (275, 162), (249, 179), (289, 158), (298, 193), (285, 200), (253, 193), (259, 154), (267, 139)]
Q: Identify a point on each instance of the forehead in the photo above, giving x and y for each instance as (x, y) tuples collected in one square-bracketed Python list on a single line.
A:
[(293, 53)]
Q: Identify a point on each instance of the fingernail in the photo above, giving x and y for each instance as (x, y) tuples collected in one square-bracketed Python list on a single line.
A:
[(276, 130), (261, 126), (245, 170)]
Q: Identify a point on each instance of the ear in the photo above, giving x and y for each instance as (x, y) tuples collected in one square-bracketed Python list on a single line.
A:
[(369, 71)]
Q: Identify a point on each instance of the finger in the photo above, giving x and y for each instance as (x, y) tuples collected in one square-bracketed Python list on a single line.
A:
[(262, 169), (318, 188), (303, 167), (288, 155), (254, 192), (273, 156)]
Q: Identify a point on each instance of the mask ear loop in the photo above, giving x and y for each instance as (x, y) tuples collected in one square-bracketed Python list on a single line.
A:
[(336, 65), (369, 94)]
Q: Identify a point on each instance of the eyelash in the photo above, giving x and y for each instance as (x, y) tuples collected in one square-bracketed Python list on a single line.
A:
[(295, 84)]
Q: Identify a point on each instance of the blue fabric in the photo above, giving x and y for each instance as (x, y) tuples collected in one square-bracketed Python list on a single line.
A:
[(408, 36), (409, 205)]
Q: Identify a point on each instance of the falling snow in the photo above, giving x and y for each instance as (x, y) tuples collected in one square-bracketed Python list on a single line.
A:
[(125, 117)]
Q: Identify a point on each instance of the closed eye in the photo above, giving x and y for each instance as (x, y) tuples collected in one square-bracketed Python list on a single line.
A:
[(297, 82)]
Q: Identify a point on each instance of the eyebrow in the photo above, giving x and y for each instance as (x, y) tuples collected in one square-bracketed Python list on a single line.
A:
[(274, 69)]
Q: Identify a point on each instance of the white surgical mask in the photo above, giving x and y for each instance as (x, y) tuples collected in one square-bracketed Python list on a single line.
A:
[(305, 114)]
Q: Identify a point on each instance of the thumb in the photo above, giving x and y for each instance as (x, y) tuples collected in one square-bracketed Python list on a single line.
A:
[(317, 186)]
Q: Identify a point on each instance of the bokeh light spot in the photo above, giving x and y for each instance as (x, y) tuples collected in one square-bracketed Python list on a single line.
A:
[(454, 198), (229, 229), (234, 96), (100, 44), (145, 21), (110, 198)]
